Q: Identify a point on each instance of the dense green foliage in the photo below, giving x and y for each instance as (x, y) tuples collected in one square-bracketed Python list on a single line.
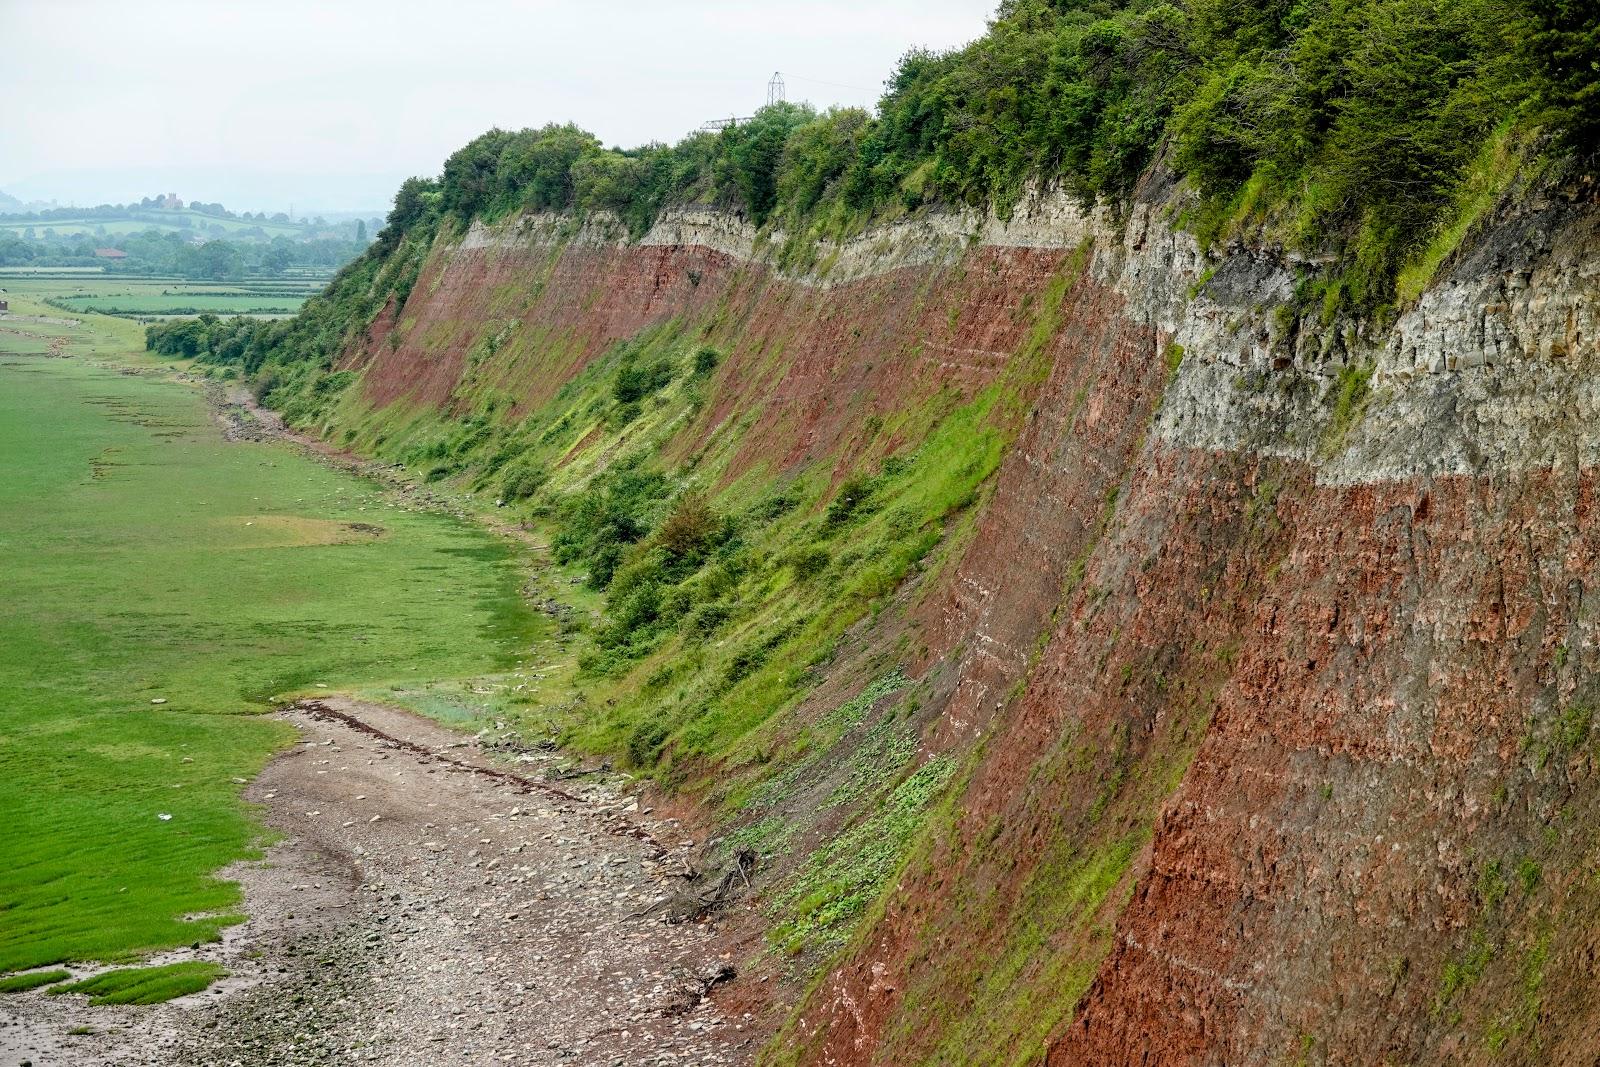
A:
[(1344, 126), (1562, 44)]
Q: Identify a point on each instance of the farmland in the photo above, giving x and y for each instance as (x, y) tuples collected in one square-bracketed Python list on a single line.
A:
[(188, 221), (79, 292), (161, 237)]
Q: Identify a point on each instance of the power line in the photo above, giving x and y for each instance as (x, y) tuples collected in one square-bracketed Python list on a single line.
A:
[(836, 85), (777, 93)]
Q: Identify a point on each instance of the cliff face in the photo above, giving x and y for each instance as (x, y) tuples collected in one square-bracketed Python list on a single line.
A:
[(1265, 659)]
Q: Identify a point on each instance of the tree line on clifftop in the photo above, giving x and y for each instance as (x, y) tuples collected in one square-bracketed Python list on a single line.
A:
[(1352, 128)]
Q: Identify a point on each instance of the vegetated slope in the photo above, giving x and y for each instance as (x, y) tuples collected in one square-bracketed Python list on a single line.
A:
[(1120, 645)]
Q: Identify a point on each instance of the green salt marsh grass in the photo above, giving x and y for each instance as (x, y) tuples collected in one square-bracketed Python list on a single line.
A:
[(161, 588), (21, 983), (145, 985)]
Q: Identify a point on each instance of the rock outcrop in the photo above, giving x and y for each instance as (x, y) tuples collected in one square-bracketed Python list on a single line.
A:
[(1270, 662)]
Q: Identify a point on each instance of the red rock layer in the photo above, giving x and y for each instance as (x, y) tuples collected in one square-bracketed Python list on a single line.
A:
[(992, 934), (806, 366), (1384, 849), (1383, 852), (1300, 773)]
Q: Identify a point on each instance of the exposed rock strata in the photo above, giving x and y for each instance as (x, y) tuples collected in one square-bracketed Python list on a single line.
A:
[(1303, 769)]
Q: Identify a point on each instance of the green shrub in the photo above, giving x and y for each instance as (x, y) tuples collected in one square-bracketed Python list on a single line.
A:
[(706, 360), (337, 382), (851, 501), (690, 529), (617, 510), (707, 619), (1561, 44), (634, 382), (645, 741), (808, 563), (522, 482)]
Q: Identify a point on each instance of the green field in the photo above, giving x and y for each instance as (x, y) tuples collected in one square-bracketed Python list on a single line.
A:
[(147, 560), (188, 221), (183, 303), (132, 296), (49, 271)]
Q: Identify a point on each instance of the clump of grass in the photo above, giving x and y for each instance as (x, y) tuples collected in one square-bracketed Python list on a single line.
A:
[(1350, 392), (21, 983), (1482, 183), (145, 985)]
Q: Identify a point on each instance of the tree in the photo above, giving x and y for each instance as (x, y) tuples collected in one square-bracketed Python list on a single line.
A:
[(215, 259), (468, 183), (1563, 48), (751, 153), (536, 167), (414, 202), (278, 256)]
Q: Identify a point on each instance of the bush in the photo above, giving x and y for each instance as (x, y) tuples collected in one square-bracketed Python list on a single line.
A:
[(337, 382), (690, 529), (706, 360), (808, 563), (850, 501), (633, 382), (617, 510), (707, 619), (1561, 45), (522, 482), (645, 742)]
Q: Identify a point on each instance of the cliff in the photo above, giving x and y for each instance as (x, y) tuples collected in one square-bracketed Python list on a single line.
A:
[(1187, 677)]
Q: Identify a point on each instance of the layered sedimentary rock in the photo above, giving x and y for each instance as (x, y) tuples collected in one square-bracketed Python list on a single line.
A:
[(1270, 664)]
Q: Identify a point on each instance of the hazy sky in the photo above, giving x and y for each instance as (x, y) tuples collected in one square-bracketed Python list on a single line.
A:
[(330, 104)]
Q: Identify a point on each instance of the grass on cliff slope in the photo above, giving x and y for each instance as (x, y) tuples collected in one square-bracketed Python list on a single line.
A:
[(161, 585), (705, 635), (710, 603)]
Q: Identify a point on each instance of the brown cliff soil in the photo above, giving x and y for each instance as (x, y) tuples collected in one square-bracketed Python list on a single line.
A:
[(805, 368)]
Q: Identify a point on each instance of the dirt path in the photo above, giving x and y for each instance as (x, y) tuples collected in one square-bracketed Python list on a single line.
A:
[(428, 907)]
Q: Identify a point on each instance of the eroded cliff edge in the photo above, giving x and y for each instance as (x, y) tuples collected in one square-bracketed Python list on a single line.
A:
[(1257, 667)]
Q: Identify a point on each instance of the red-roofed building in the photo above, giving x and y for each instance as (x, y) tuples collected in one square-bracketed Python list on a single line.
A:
[(110, 253)]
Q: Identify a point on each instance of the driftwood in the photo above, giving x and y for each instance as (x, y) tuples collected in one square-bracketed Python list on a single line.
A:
[(694, 988), (695, 904)]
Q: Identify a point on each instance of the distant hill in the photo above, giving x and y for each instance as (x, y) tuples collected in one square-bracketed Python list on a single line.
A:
[(165, 235), (166, 213)]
